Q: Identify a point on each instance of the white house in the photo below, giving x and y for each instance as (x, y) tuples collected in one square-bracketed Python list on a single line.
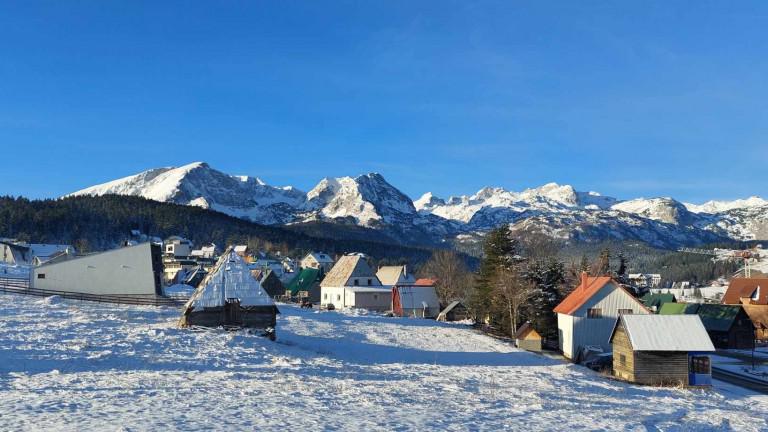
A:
[(587, 316), (178, 246), (19, 253), (317, 260), (390, 276), (206, 252), (351, 283)]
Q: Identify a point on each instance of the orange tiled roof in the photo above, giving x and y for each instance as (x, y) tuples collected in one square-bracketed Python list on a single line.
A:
[(588, 287), (745, 287), (425, 282)]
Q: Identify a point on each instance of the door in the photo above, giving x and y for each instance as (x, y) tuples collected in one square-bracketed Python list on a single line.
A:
[(232, 312)]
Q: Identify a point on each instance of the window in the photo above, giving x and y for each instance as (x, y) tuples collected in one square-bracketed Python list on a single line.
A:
[(700, 365), (375, 296), (625, 312), (325, 296), (756, 294), (369, 282), (338, 297), (356, 282), (594, 313), (41, 275), (622, 359)]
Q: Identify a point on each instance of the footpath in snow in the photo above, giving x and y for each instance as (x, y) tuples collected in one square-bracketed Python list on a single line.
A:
[(66, 365)]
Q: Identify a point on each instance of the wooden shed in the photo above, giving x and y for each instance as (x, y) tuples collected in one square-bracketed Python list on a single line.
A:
[(528, 338), (456, 311), (662, 350)]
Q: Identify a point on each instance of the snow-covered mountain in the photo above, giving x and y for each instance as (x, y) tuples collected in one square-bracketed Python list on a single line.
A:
[(369, 201)]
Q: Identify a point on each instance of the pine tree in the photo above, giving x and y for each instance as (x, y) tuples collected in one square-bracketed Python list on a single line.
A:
[(500, 252), (621, 272), (548, 279)]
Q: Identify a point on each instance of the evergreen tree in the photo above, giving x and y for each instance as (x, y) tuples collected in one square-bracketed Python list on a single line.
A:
[(500, 251), (621, 271), (548, 279)]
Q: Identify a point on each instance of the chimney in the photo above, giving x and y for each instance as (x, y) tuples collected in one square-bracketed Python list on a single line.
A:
[(584, 280)]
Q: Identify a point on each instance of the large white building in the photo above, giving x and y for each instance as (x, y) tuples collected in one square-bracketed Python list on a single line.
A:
[(587, 316), (130, 271), (351, 283)]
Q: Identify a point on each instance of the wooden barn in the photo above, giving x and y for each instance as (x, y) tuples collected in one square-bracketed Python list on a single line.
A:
[(662, 350), (271, 283), (728, 326), (456, 311), (528, 338), (231, 297)]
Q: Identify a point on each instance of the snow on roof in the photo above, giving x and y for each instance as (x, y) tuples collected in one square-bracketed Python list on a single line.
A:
[(241, 248), (48, 250), (666, 333), (233, 276), (321, 257)]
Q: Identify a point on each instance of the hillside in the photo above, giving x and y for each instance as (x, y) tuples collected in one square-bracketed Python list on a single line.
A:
[(102, 222), (75, 366)]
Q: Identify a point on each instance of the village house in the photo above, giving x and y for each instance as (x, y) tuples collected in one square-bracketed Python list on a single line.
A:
[(587, 316), (728, 326), (306, 284), (317, 260), (662, 350), (352, 283), (205, 252), (129, 271), (178, 247), (269, 282), (19, 253), (415, 301), (390, 276), (752, 294)]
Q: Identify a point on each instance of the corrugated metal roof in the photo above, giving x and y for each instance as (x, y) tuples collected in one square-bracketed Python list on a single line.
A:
[(416, 297), (666, 333), (230, 279)]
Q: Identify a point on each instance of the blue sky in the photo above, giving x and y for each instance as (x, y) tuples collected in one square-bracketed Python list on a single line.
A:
[(626, 98)]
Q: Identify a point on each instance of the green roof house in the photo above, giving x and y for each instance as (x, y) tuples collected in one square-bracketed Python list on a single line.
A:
[(655, 301), (307, 280), (728, 326)]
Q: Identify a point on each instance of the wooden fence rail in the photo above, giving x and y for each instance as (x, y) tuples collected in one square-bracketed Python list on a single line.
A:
[(21, 286)]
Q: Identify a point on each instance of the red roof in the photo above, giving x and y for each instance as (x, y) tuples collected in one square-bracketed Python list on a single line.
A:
[(425, 282), (746, 287), (588, 287)]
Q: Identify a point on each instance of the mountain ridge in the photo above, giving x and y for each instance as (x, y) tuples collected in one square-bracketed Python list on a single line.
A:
[(369, 201)]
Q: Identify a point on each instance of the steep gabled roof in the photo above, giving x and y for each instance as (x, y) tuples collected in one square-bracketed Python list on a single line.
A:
[(347, 267), (304, 281), (715, 317), (392, 275), (746, 287), (588, 287), (665, 333)]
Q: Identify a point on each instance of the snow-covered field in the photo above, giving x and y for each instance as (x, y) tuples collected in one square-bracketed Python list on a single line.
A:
[(66, 365)]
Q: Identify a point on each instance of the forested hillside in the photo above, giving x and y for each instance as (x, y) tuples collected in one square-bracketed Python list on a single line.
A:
[(99, 223)]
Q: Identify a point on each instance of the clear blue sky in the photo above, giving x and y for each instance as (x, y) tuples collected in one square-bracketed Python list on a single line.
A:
[(626, 98)]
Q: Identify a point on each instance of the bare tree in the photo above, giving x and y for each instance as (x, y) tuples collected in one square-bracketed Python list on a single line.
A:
[(454, 281), (513, 291)]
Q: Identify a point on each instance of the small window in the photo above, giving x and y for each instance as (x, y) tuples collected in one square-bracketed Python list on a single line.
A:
[(369, 282), (325, 296), (625, 312), (41, 275), (375, 296), (338, 297), (700, 365), (622, 359), (594, 313), (356, 282)]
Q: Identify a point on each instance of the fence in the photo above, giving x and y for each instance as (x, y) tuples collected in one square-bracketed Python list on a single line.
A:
[(21, 286)]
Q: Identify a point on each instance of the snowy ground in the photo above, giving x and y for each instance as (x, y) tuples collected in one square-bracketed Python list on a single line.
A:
[(66, 365)]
